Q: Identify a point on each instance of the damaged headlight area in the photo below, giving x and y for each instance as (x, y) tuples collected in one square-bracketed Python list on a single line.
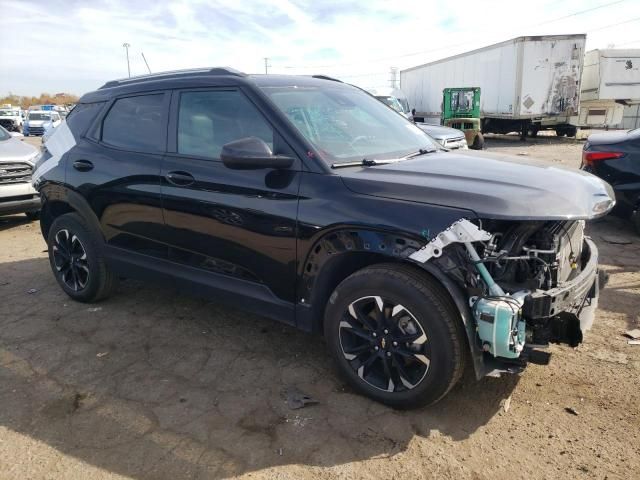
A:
[(528, 283)]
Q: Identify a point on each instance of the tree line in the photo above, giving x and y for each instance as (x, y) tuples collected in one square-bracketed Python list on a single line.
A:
[(43, 99)]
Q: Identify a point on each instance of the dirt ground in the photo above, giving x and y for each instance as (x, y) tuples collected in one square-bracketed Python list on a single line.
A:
[(150, 384)]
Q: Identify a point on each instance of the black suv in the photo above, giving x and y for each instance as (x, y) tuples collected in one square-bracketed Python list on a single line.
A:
[(306, 200)]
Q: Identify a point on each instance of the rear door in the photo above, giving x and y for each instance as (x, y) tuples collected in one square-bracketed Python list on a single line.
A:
[(116, 168), (238, 225)]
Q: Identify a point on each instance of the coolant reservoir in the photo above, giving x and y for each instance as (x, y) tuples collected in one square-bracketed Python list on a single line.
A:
[(500, 325)]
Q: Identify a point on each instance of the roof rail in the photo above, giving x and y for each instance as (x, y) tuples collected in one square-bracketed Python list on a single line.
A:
[(326, 77), (174, 74)]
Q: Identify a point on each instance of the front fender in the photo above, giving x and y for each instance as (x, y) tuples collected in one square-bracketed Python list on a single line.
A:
[(339, 252)]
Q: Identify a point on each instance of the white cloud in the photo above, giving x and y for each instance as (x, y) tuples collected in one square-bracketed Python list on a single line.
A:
[(75, 47)]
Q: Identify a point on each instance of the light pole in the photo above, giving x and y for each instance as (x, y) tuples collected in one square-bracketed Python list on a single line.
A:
[(126, 47), (266, 65)]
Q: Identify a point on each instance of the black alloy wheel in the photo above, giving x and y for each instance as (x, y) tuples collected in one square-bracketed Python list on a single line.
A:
[(384, 344), (70, 260)]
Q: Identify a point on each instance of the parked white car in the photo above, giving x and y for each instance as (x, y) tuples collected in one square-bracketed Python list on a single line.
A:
[(39, 122), (17, 160)]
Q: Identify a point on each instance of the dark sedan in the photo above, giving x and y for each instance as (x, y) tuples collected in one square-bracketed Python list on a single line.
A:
[(615, 157)]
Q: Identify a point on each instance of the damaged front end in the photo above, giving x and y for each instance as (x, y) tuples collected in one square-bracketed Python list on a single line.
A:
[(528, 284)]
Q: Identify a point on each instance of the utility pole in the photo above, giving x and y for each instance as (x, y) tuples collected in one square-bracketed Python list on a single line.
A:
[(266, 65), (145, 61), (126, 47), (393, 77)]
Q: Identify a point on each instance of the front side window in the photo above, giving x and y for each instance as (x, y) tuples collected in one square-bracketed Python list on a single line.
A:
[(207, 120), (345, 124), (136, 123)]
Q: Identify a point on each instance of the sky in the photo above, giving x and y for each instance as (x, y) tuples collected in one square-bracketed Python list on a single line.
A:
[(75, 46)]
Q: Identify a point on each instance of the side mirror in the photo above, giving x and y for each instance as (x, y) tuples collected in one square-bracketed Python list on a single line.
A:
[(252, 153)]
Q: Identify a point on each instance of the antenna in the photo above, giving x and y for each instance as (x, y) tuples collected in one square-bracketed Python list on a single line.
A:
[(145, 61)]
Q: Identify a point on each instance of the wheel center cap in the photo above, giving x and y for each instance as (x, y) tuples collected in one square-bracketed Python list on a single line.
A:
[(383, 342)]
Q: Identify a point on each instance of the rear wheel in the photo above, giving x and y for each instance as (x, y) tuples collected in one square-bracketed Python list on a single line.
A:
[(395, 336), (76, 260)]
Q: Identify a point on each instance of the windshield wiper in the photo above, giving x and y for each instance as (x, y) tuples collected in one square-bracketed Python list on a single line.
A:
[(366, 162), (372, 162), (422, 151)]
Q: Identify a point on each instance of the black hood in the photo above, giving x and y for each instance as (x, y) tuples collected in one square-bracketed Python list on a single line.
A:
[(492, 185)]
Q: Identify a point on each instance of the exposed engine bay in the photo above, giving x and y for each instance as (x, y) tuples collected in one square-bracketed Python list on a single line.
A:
[(529, 283)]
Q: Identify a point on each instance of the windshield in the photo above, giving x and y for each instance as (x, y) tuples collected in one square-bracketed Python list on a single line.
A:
[(9, 113), (4, 135), (39, 116), (346, 124)]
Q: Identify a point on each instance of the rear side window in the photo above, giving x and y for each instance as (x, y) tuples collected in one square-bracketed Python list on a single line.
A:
[(207, 120), (136, 123)]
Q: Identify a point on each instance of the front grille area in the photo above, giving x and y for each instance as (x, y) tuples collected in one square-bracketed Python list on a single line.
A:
[(7, 123), (18, 172), (36, 130)]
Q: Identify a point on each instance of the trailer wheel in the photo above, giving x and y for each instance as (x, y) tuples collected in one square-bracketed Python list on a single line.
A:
[(478, 142), (571, 131), (561, 131), (533, 131)]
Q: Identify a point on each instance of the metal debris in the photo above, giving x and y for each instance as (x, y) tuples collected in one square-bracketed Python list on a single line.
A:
[(571, 410), (102, 354), (94, 309), (297, 399), (633, 342), (633, 334), (31, 291), (507, 404)]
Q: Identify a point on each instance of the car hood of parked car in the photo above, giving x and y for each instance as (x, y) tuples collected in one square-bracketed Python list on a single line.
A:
[(439, 132), (12, 150), (491, 185)]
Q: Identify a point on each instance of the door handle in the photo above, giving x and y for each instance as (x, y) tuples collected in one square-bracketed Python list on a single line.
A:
[(83, 165), (181, 179)]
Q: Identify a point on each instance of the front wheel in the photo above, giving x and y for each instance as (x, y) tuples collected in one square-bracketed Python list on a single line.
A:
[(76, 260), (478, 142), (395, 335)]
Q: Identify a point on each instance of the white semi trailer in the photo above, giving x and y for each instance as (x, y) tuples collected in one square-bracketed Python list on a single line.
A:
[(527, 84), (610, 81)]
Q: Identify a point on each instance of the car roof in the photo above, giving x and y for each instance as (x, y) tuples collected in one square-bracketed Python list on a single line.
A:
[(195, 78)]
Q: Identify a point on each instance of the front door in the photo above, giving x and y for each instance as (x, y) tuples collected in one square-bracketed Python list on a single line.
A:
[(238, 225)]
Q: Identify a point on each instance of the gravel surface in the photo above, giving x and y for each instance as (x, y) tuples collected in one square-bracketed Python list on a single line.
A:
[(152, 384)]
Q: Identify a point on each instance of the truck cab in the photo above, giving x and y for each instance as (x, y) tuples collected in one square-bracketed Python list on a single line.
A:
[(11, 118)]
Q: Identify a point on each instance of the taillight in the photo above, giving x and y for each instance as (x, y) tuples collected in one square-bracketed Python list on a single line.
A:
[(589, 158)]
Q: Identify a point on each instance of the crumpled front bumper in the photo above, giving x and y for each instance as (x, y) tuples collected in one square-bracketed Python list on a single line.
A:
[(578, 296)]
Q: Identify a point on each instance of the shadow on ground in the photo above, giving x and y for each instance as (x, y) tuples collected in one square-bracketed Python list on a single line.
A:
[(493, 141), (152, 384)]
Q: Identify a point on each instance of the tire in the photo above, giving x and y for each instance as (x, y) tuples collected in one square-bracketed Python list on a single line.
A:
[(33, 216), (571, 131), (478, 142), (561, 132), (425, 360), (70, 237), (533, 132), (635, 220)]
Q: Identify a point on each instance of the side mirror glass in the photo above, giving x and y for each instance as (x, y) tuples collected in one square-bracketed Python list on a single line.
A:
[(252, 153)]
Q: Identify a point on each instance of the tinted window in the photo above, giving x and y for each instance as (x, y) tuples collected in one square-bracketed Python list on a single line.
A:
[(82, 116), (136, 123), (208, 120)]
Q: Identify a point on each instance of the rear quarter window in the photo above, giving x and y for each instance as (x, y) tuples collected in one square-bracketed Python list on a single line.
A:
[(82, 116), (136, 123)]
